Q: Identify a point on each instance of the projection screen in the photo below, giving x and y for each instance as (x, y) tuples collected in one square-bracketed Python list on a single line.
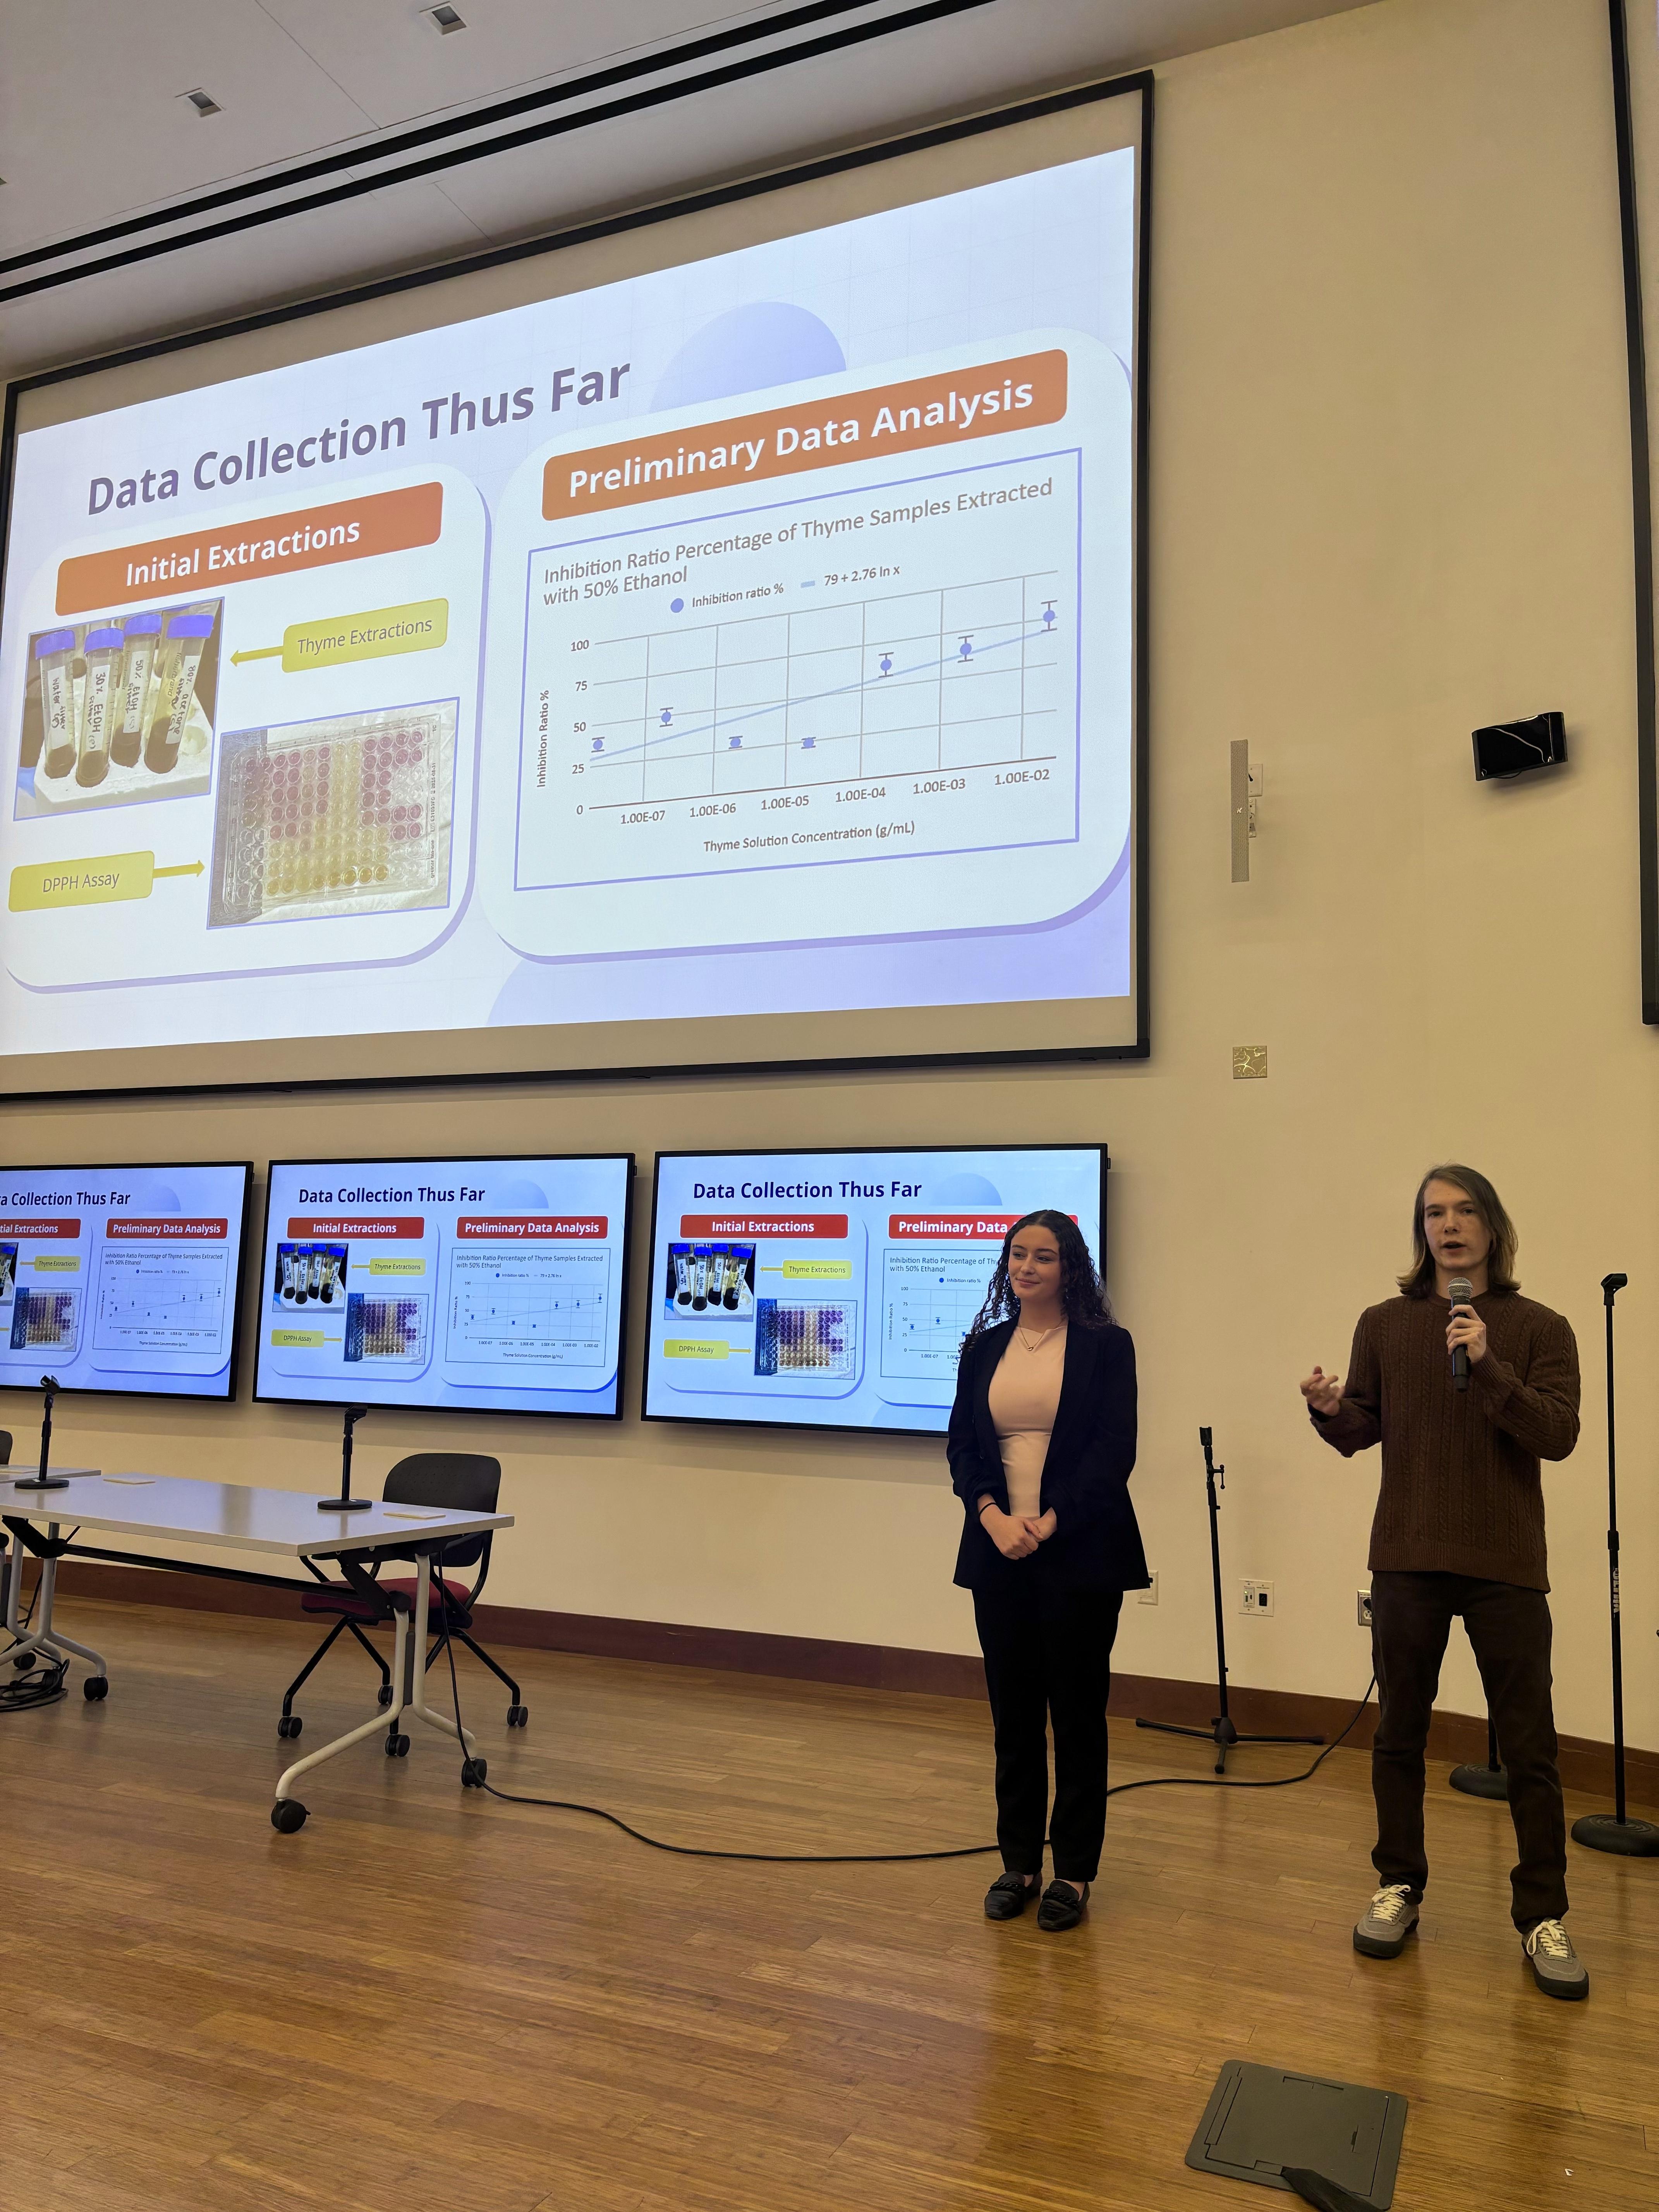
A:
[(708, 642)]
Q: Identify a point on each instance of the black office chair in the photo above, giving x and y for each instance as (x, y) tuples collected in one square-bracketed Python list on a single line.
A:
[(467, 1482)]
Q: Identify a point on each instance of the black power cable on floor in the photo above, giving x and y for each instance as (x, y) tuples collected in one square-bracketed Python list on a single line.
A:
[(43, 1685), (474, 1770)]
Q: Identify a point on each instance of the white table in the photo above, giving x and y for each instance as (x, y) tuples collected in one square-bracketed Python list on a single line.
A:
[(233, 1516)]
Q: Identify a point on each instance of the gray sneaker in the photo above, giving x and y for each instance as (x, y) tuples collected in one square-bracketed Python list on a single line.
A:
[(1556, 1966), (1390, 1918)]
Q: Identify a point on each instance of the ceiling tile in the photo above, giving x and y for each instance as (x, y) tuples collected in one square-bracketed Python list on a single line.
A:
[(397, 65)]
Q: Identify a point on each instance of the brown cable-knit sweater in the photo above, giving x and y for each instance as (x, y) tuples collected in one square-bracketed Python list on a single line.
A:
[(1461, 1489)]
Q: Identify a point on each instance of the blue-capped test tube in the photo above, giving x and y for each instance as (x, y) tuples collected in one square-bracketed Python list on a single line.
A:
[(130, 718), (181, 656), (102, 654), (54, 656)]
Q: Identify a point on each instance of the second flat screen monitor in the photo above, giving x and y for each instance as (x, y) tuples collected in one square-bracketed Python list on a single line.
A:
[(496, 1285), (832, 1289)]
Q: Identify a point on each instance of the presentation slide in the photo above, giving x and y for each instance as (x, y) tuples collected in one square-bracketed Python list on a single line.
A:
[(743, 638), (497, 1285), (833, 1290), (122, 1279)]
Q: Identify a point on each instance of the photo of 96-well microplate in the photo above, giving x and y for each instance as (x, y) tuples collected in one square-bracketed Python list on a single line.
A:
[(348, 815)]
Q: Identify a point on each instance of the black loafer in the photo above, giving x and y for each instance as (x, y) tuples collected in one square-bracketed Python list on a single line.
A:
[(1008, 1897), (1063, 1906)]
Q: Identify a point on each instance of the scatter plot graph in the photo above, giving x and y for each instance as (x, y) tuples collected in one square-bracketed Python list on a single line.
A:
[(898, 683), (151, 1300), (924, 697), (536, 1308), (929, 1299)]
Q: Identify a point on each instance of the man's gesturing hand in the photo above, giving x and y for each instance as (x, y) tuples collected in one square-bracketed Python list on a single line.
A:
[(1323, 1392)]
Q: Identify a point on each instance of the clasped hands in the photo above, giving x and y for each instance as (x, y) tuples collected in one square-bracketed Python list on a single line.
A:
[(1017, 1536)]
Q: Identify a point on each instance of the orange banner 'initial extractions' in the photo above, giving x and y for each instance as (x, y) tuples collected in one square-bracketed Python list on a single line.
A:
[(237, 552), (819, 434)]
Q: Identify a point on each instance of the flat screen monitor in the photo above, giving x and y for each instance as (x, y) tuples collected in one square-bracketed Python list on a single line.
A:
[(123, 1280), (832, 1289), (493, 1285)]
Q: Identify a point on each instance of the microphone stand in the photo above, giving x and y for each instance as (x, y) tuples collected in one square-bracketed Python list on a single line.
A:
[(1221, 1732), (345, 1503), (1631, 1839), (1487, 1781), (44, 1480)]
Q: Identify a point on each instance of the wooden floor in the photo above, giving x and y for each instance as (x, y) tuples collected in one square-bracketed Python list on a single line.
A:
[(428, 1997)]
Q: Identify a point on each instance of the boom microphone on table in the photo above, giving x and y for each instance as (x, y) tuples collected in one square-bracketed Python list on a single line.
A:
[(1460, 1290)]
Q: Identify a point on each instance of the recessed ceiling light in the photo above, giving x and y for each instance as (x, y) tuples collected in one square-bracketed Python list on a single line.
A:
[(447, 20), (202, 102)]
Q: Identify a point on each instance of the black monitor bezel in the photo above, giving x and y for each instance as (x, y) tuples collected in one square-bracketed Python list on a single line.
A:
[(447, 1159), (827, 1152), (227, 1396)]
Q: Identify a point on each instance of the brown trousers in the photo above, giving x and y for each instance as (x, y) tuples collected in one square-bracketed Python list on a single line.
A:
[(1510, 1628)]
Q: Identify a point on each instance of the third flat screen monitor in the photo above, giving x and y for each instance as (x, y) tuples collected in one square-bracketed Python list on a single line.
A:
[(832, 1289), (494, 1284)]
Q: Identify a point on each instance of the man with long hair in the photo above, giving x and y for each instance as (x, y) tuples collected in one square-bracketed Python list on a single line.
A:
[(1459, 1529)]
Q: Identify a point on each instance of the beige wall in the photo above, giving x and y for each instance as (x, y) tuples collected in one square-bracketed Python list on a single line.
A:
[(1391, 499)]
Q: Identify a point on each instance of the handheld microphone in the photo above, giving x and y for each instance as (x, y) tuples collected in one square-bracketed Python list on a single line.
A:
[(1460, 1290)]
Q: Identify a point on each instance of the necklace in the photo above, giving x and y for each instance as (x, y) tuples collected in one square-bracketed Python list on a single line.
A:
[(1035, 1343)]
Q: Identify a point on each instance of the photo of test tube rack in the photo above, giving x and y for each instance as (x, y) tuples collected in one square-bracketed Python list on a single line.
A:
[(349, 814), (119, 710), (804, 1340)]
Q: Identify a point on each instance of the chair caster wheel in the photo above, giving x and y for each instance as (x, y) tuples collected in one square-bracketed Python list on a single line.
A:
[(290, 1724), (287, 1816), (383, 1695), (396, 1746), (473, 1772), (23, 1659), (517, 1715), (96, 1688)]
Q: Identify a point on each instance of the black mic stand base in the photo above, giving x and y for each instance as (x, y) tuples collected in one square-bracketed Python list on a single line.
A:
[(1488, 1781), (1481, 1781), (1628, 1839), (1224, 1736), (343, 1505), (42, 1482)]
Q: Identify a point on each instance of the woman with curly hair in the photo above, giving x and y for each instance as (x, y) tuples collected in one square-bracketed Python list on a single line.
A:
[(1041, 1445)]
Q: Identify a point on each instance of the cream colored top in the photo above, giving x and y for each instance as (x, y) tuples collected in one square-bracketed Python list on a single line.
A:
[(1025, 1397)]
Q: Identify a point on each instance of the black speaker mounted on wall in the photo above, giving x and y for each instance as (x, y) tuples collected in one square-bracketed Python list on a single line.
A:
[(1506, 750)]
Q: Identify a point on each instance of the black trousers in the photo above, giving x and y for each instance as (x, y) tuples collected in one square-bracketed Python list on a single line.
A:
[(1510, 1628), (1048, 1656)]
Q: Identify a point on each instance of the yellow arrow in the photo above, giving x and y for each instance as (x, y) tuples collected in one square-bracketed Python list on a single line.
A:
[(102, 881), (419, 626)]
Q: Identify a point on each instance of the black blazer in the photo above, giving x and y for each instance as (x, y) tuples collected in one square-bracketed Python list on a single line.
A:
[(1085, 1478)]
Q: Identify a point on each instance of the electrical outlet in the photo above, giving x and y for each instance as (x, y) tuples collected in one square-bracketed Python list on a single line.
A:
[(1364, 1607), (1256, 1596), (1149, 1596)]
